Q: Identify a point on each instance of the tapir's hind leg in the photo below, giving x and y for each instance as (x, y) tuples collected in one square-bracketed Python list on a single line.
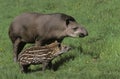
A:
[(18, 45)]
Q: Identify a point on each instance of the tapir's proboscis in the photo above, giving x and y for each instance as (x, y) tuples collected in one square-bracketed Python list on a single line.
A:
[(42, 29)]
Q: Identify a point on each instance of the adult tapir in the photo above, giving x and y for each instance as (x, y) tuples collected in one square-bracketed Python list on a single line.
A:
[(42, 29)]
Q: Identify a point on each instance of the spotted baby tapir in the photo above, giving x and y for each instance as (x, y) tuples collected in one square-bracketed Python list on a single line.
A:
[(40, 55)]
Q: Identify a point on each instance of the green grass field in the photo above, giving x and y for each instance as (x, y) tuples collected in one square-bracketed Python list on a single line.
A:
[(96, 56)]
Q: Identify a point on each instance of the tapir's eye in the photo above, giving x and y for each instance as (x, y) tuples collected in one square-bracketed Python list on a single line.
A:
[(75, 28)]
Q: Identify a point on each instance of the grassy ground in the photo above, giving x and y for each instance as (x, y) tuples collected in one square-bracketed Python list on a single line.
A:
[(94, 57)]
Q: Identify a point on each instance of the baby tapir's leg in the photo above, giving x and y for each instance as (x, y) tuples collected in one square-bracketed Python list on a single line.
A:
[(44, 65), (24, 68), (50, 65)]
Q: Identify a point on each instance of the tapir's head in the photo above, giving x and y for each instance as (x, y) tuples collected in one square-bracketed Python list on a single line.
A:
[(73, 29)]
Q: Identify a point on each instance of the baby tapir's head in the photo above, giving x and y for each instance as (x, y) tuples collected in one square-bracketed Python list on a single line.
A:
[(58, 48)]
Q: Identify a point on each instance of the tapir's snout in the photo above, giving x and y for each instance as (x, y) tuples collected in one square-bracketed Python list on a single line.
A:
[(83, 32)]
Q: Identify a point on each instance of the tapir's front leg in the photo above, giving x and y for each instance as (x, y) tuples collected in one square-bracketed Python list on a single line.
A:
[(18, 45)]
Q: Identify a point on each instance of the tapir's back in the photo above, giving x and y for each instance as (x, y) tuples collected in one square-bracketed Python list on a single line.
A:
[(29, 26)]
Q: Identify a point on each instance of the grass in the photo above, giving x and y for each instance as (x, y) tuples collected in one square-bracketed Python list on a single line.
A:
[(94, 57)]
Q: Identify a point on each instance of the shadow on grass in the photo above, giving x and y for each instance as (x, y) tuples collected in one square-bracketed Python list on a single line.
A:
[(90, 52), (59, 63), (33, 70)]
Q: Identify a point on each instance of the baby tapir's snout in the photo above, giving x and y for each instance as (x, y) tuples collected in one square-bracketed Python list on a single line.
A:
[(66, 48), (63, 49)]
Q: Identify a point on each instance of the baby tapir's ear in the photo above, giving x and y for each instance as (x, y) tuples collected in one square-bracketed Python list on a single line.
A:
[(56, 41), (54, 44)]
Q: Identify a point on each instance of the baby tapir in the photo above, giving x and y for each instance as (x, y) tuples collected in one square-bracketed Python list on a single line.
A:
[(40, 55), (42, 29)]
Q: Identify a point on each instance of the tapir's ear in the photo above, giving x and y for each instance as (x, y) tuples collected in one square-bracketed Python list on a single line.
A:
[(69, 19)]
